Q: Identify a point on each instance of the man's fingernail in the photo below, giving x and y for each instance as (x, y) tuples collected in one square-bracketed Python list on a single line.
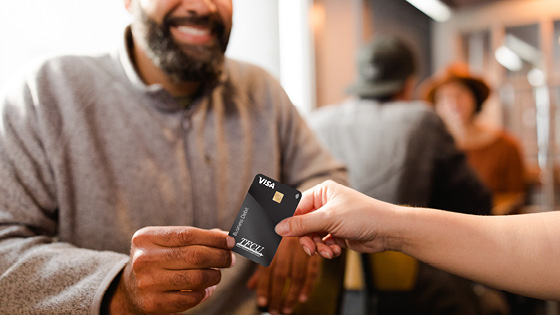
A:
[(326, 254), (303, 298), (230, 241), (282, 228), (307, 251), (209, 292), (287, 310), (261, 301)]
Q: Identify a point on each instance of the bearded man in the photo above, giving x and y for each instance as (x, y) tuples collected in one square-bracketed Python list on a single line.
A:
[(121, 171)]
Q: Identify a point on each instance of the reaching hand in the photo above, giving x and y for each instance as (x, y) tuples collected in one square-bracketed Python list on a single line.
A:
[(171, 269), (331, 216)]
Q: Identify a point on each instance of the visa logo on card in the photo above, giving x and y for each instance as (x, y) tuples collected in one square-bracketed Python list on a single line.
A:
[(267, 203)]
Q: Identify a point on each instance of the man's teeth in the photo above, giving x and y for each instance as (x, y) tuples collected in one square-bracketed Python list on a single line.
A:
[(193, 30)]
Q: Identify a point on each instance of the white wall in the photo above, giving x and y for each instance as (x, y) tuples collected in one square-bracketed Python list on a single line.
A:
[(30, 28), (254, 37), (277, 36)]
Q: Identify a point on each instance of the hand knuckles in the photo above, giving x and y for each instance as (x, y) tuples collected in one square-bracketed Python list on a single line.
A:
[(180, 279), (139, 260), (185, 236), (144, 282), (175, 254), (198, 256), (140, 236)]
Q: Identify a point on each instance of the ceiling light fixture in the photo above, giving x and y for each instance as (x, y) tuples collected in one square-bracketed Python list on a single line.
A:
[(508, 58), (435, 9)]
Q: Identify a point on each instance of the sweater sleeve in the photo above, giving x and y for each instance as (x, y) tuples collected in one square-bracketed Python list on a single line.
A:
[(40, 273)]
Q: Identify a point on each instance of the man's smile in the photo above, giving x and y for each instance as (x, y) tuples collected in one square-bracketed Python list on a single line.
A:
[(192, 34)]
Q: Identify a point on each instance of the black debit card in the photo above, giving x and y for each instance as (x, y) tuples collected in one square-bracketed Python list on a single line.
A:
[(267, 203)]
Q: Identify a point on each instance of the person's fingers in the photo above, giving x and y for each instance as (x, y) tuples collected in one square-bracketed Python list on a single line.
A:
[(307, 244), (335, 244), (314, 267), (178, 258), (253, 280), (263, 286), (177, 236), (303, 275), (233, 259), (307, 202), (280, 271), (323, 250), (180, 280), (303, 224), (297, 276)]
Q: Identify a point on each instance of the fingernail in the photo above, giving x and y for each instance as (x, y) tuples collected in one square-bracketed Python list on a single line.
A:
[(261, 301), (307, 251), (303, 298), (282, 228), (326, 254), (287, 310), (337, 251), (209, 292), (230, 242)]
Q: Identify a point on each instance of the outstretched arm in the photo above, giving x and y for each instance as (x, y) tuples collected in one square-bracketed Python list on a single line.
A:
[(515, 253)]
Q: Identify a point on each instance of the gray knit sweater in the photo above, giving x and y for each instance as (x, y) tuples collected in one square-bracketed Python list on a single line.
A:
[(89, 154)]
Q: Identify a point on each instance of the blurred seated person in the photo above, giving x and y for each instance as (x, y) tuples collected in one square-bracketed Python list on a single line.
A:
[(495, 154), (398, 150)]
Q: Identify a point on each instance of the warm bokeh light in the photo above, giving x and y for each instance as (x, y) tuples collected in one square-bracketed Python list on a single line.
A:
[(318, 16)]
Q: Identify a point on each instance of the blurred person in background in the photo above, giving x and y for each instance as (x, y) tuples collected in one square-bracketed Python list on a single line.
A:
[(495, 154), (398, 150)]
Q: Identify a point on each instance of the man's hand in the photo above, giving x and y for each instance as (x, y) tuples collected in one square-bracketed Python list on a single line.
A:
[(171, 269), (288, 280)]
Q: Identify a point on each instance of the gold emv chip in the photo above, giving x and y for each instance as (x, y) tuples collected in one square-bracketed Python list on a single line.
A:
[(278, 197)]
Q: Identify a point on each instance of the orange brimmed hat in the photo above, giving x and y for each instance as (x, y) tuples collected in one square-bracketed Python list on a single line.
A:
[(456, 72)]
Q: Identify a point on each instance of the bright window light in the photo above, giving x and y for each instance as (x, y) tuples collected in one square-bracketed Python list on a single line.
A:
[(433, 8), (296, 52), (536, 77), (33, 29), (508, 58)]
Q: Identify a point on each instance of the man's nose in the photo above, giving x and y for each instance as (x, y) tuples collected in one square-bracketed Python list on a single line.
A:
[(199, 7)]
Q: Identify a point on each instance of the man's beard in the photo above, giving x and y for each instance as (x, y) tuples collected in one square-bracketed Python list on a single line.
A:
[(186, 62)]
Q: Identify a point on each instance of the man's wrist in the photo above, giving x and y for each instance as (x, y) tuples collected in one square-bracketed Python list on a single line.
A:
[(114, 301)]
